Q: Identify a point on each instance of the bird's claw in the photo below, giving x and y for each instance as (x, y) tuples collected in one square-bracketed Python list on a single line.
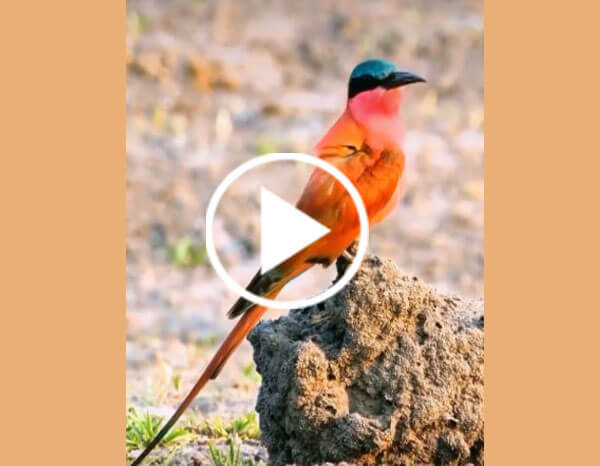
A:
[(345, 259), (348, 256)]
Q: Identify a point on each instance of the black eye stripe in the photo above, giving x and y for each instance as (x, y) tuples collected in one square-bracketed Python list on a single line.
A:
[(362, 83), (366, 83)]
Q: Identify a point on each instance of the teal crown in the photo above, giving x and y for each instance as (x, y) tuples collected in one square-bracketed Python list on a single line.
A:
[(376, 68)]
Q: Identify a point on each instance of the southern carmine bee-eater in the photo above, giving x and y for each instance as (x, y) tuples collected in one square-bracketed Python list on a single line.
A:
[(366, 145)]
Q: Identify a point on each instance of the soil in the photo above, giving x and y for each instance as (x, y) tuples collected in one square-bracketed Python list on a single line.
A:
[(387, 371)]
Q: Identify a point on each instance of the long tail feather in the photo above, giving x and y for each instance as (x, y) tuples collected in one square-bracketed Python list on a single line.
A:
[(231, 342)]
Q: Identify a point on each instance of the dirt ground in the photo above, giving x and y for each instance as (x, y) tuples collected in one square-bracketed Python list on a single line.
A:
[(211, 84)]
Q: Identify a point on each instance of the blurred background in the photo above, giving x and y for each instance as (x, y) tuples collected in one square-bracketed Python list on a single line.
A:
[(211, 84)]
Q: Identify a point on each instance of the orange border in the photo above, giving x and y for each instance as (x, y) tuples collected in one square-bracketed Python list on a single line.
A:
[(62, 198), (541, 232), (63, 233)]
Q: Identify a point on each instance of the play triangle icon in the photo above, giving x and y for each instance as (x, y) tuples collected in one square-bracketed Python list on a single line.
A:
[(284, 230)]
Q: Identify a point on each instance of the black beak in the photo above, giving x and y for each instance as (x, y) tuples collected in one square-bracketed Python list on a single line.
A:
[(401, 78)]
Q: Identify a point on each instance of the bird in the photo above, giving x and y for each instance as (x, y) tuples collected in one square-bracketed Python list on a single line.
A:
[(365, 143)]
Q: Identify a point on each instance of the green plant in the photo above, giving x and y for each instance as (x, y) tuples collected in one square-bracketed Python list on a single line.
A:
[(176, 380), (184, 253), (215, 428), (141, 429), (250, 372), (245, 427), (266, 146), (231, 456), (207, 341)]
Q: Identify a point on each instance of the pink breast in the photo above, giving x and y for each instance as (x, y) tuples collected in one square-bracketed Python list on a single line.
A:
[(378, 111)]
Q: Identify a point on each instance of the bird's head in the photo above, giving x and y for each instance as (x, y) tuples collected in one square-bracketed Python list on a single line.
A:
[(375, 95), (378, 80)]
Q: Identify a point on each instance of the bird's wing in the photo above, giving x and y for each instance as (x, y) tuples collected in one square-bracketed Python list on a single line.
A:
[(324, 198)]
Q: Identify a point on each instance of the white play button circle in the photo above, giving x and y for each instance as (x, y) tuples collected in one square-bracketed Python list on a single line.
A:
[(285, 230)]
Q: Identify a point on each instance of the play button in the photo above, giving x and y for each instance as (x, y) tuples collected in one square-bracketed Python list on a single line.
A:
[(284, 230)]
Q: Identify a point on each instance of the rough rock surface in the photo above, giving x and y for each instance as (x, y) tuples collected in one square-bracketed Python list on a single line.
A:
[(385, 372)]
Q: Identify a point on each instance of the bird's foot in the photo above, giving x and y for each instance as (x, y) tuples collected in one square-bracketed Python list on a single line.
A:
[(350, 253), (345, 259), (348, 256)]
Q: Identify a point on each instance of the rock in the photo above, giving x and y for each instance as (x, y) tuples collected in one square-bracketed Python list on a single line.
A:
[(385, 372)]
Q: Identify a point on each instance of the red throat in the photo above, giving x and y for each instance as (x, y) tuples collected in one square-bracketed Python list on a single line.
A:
[(378, 112)]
